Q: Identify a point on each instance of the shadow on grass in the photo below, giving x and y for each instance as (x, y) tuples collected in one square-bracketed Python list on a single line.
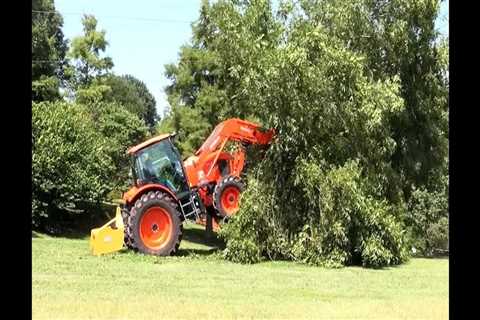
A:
[(436, 256), (78, 228), (200, 236), (196, 252), (191, 233), (68, 233)]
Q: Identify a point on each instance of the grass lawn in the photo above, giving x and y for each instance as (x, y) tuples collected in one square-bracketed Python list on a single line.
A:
[(69, 283)]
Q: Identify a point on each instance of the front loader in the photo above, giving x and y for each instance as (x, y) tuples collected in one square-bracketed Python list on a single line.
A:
[(166, 191)]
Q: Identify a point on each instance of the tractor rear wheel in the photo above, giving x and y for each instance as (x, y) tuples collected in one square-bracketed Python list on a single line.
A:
[(154, 225), (127, 239), (226, 196)]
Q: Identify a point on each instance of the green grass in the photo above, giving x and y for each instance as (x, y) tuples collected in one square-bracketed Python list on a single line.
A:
[(69, 283)]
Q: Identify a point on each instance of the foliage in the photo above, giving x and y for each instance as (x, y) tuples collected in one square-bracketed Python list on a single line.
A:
[(398, 38), (428, 217), (85, 52), (337, 223), (88, 162), (48, 51), (79, 154), (46, 88), (121, 129), (335, 79), (189, 125), (133, 94), (69, 160)]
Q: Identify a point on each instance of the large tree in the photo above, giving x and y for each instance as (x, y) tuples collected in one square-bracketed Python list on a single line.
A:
[(337, 79), (398, 38), (87, 74), (134, 95), (48, 51)]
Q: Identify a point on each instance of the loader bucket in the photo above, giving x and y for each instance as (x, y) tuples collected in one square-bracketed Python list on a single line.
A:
[(109, 237)]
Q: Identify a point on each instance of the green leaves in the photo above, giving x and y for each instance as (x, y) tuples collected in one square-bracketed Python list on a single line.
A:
[(428, 218), (79, 148), (85, 52), (333, 77), (67, 161), (48, 51), (134, 96), (78, 155)]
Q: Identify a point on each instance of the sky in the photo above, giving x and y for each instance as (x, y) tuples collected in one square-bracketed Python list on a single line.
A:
[(144, 35)]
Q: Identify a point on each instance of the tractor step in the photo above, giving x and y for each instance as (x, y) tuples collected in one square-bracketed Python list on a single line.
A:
[(194, 211)]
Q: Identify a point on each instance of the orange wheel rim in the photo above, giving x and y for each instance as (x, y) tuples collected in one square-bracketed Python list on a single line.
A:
[(155, 228), (230, 200)]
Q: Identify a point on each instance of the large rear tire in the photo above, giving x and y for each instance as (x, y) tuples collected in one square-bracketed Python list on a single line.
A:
[(154, 225), (226, 196), (127, 239)]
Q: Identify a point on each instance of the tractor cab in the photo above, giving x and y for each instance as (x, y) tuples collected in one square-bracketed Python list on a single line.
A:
[(156, 165), (159, 163)]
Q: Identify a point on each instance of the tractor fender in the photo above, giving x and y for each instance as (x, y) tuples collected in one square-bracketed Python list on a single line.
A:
[(134, 193)]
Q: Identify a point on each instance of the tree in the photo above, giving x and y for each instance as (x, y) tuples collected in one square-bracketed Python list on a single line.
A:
[(69, 162), (398, 38), (79, 155), (207, 76), (189, 125), (48, 51), (79, 148), (121, 129), (134, 95), (89, 68), (322, 194), (358, 92)]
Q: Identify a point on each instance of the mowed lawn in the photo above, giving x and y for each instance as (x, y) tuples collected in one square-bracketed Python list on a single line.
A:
[(69, 283)]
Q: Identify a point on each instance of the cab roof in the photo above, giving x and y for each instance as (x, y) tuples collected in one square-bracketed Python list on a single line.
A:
[(150, 141)]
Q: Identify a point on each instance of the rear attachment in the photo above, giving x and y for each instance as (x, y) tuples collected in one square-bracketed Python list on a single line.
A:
[(109, 237)]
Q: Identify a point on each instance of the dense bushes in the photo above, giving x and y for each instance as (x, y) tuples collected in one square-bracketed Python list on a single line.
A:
[(335, 79), (327, 220), (121, 129), (69, 160), (78, 155), (428, 217), (320, 212), (325, 193)]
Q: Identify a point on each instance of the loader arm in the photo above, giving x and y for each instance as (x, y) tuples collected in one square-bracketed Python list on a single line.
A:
[(236, 130), (203, 167)]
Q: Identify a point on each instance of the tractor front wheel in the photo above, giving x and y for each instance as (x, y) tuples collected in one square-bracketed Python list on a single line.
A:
[(226, 197), (154, 225)]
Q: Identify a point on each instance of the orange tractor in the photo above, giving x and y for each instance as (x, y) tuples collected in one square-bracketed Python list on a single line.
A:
[(166, 191)]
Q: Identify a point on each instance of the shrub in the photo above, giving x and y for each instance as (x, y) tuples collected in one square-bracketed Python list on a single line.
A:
[(69, 160), (329, 220), (428, 217)]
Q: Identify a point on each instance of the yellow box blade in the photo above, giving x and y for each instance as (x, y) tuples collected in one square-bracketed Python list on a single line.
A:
[(109, 237)]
